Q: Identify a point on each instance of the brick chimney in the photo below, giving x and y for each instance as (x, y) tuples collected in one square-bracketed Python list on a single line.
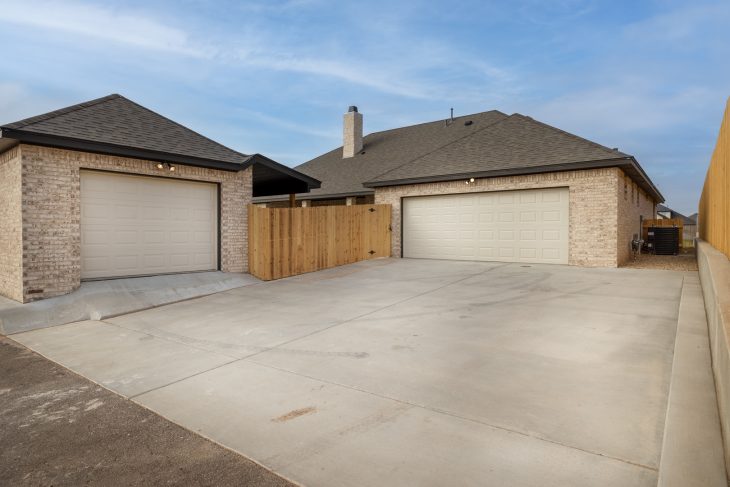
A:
[(351, 133)]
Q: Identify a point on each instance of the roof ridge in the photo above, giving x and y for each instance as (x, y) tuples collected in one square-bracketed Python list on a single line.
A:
[(61, 111), (583, 139), (507, 117), (436, 121), (183, 126), (339, 147)]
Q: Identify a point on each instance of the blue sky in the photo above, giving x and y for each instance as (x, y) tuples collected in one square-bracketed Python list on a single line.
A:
[(650, 77)]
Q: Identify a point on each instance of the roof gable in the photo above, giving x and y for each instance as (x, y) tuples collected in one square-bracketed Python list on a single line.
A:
[(117, 121)]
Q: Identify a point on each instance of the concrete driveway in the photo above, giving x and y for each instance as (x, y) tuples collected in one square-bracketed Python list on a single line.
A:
[(408, 372)]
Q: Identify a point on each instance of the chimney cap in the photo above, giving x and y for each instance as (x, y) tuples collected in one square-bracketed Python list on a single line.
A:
[(352, 108)]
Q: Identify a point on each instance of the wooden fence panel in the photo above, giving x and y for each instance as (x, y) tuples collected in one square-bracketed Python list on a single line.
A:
[(714, 213), (286, 242)]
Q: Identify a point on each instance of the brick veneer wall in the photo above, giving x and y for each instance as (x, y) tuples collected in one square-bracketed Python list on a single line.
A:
[(11, 228), (51, 213), (633, 203), (593, 207)]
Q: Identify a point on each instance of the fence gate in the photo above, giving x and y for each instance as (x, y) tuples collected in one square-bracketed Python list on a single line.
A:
[(286, 242)]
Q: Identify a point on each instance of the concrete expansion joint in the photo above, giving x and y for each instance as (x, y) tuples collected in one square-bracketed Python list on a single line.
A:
[(134, 396), (247, 357), (454, 415), (288, 342), (169, 338)]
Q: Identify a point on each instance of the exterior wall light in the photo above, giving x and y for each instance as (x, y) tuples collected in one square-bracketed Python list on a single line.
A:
[(165, 165)]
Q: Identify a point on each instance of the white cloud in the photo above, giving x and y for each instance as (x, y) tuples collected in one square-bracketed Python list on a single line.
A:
[(408, 68), (17, 102), (681, 25), (291, 126), (626, 107), (101, 23)]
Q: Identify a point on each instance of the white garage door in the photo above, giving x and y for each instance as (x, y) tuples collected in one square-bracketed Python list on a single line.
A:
[(507, 226), (136, 225)]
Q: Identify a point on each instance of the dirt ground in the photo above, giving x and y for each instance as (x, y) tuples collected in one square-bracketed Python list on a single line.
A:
[(685, 261), (61, 429)]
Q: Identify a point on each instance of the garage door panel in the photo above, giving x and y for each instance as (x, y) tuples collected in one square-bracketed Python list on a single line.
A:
[(528, 197), (488, 253), (528, 216), (527, 253), (506, 198), (551, 196), (513, 226), (506, 252), (136, 225), (550, 254)]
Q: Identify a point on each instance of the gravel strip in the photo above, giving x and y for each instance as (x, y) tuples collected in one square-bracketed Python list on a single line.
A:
[(682, 262)]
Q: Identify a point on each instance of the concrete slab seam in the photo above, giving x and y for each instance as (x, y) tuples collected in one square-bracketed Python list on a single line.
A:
[(287, 342), (283, 343), (167, 339), (454, 415), (294, 482)]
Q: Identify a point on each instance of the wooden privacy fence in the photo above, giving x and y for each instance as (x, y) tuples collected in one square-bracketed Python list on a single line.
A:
[(714, 214), (286, 242), (663, 222)]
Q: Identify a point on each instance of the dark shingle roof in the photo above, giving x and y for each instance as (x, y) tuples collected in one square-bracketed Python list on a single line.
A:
[(494, 144), (516, 142), (117, 121), (387, 150)]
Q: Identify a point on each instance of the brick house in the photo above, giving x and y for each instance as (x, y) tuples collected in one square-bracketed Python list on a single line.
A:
[(489, 186), (108, 188)]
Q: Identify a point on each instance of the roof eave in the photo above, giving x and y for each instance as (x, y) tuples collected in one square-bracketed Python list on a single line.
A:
[(311, 182), (115, 150), (307, 196), (658, 195), (597, 164)]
